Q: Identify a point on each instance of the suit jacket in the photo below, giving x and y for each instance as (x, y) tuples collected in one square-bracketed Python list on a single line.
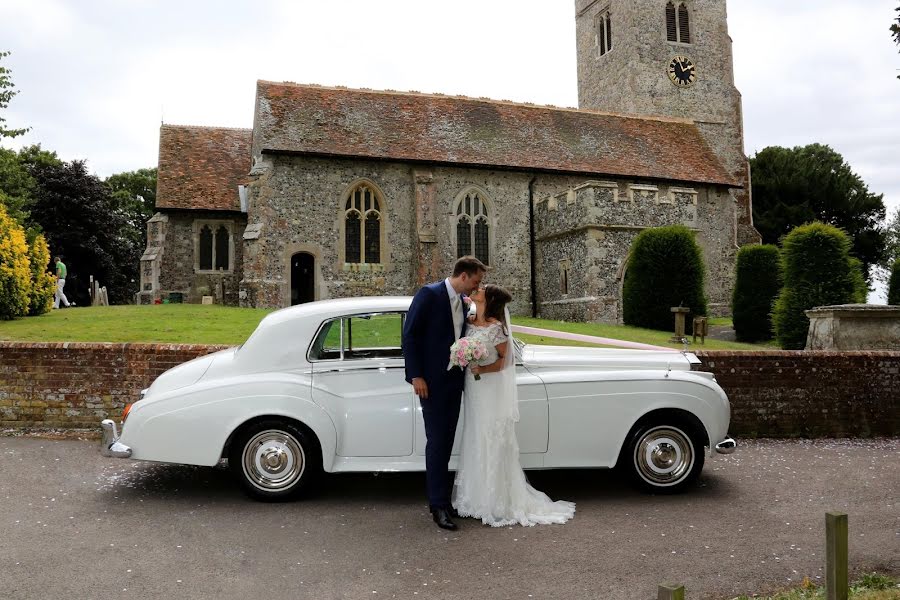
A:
[(428, 335)]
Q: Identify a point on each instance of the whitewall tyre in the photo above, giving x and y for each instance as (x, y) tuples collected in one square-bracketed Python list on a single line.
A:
[(664, 458)]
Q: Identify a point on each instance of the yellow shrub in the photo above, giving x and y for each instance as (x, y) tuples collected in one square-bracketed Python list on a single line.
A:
[(43, 286), (15, 272)]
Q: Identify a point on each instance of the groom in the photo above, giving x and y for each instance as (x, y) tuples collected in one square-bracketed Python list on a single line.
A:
[(435, 320)]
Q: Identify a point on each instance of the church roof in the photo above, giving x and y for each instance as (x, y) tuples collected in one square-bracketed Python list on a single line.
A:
[(201, 167), (434, 128)]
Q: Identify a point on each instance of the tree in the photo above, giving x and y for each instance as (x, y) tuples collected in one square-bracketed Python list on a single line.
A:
[(794, 186), (757, 283), (15, 274), (7, 92), (818, 271), (17, 183), (135, 195), (85, 224), (893, 296), (665, 269)]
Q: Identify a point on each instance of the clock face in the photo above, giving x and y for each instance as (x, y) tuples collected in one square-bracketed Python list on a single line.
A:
[(682, 71)]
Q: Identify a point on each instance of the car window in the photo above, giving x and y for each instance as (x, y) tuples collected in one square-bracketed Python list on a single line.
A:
[(375, 335)]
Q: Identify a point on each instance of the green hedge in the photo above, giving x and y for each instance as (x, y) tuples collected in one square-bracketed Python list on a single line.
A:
[(894, 284), (818, 271), (757, 283), (665, 269)]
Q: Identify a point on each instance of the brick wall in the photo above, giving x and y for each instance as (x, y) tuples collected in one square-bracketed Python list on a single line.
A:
[(773, 394), (810, 394), (63, 385)]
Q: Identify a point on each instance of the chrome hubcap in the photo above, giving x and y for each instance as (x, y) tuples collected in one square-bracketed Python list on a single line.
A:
[(273, 460), (664, 456)]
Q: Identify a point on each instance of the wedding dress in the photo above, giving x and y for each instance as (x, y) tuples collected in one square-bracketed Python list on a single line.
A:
[(490, 484)]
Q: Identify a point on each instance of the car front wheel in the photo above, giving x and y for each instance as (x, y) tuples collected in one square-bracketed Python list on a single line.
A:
[(274, 460), (665, 458)]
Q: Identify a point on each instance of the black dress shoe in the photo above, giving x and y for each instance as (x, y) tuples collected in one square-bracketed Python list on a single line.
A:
[(443, 520)]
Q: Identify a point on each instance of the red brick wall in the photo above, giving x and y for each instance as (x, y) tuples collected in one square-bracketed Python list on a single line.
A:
[(773, 394), (809, 394), (63, 385)]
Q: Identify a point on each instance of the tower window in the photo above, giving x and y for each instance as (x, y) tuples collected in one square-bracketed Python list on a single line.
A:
[(604, 32), (678, 28)]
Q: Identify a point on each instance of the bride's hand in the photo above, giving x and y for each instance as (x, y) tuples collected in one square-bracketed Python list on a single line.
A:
[(476, 370), (470, 318)]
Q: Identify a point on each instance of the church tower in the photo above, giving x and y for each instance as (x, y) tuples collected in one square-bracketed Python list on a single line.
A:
[(668, 58)]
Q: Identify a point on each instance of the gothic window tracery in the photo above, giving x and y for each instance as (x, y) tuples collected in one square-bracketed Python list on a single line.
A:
[(473, 235), (362, 225)]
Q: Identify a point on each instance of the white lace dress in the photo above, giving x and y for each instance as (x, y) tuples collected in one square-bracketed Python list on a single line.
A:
[(490, 484)]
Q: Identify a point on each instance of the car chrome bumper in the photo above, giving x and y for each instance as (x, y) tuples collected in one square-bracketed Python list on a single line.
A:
[(726, 446), (111, 446)]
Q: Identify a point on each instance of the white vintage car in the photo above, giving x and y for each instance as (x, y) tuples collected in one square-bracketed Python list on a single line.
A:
[(320, 387)]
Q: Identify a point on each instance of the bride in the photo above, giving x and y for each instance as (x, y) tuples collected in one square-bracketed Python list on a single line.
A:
[(490, 484)]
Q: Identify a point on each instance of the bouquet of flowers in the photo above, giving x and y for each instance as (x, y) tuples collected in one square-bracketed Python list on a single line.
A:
[(464, 351)]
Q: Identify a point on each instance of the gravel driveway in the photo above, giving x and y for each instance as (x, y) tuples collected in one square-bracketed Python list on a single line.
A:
[(76, 525)]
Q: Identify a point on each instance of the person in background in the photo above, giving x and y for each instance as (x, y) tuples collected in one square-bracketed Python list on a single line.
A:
[(61, 273)]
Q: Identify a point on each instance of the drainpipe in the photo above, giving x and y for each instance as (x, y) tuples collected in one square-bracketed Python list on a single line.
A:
[(534, 312)]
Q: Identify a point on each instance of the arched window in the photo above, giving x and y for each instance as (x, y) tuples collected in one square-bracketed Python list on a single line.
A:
[(473, 227), (213, 245), (604, 32), (222, 244), (206, 248), (362, 225), (678, 27)]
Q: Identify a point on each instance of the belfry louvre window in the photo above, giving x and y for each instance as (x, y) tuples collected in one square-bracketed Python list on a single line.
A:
[(214, 248), (678, 28), (473, 227), (362, 226), (604, 32)]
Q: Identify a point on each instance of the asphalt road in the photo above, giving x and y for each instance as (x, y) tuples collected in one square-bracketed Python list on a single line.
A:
[(74, 524)]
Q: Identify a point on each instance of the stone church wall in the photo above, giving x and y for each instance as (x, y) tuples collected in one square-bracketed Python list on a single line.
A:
[(296, 205), (179, 270)]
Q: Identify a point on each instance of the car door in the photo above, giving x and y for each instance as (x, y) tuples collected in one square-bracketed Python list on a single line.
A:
[(531, 430), (358, 377)]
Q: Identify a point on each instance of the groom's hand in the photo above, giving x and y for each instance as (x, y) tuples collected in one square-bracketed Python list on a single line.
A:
[(420, 387)]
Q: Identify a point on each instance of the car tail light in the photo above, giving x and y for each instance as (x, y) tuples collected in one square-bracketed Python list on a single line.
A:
[(126, 411)]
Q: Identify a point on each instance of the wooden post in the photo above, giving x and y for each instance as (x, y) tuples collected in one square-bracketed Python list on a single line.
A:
[(836, 557), (670, 592)]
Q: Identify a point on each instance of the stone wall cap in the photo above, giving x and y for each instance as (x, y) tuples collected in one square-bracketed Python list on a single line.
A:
[(856, 310)]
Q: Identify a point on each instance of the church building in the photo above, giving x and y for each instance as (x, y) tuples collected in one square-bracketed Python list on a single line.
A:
[(340, 192)]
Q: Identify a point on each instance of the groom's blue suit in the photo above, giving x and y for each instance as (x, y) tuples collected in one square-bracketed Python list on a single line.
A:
[(427, 337)]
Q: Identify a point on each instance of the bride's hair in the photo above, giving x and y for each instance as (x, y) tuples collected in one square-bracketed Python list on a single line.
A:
[(495, 300)]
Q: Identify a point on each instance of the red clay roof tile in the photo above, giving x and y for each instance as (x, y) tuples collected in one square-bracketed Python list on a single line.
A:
[(201, 167), (406, 126)]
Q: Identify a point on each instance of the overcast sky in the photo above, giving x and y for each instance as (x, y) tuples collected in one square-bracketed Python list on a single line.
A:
[(96, 77)]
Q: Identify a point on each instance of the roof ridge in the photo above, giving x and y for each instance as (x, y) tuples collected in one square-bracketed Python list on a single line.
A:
[(174, 125), (533, 105)]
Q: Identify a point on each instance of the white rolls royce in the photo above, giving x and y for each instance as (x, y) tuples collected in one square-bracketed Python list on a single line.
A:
[(320, 387)]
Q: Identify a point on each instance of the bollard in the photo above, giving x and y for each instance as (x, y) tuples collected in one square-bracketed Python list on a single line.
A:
[(670, 592), (836, 557)]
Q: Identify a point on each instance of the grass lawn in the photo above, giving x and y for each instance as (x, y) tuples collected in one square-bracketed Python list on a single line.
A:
[(174, 323), (869, 587), (206, 324)]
